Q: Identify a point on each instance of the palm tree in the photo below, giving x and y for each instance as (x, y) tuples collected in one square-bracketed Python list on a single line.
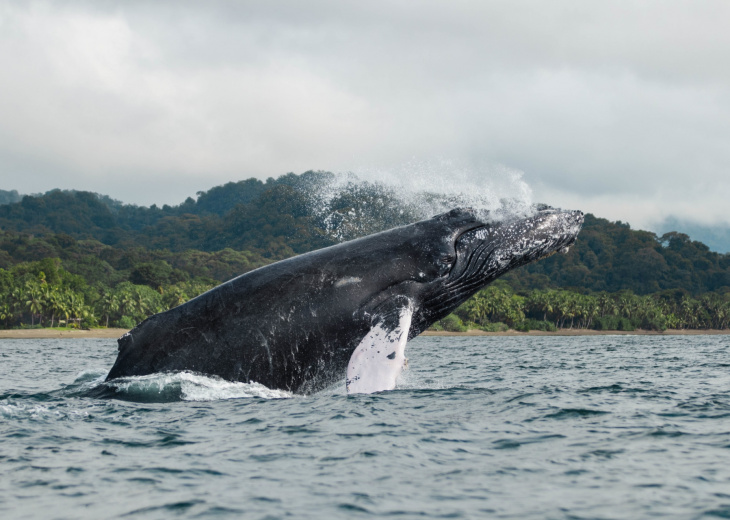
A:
[(540, 302), (626, 304), (34, 301), (473, 308), (607, 305), (57, 304), (109, 304), (592, 310), (127, 302), (688, 313), (76, 307), (64, 305), (6, 312), (17, 300), (52, 299)]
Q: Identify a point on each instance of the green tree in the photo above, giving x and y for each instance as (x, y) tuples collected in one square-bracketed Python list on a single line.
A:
[(34, 301)]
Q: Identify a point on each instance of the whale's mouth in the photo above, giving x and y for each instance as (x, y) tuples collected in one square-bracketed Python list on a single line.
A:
[(487, 251)]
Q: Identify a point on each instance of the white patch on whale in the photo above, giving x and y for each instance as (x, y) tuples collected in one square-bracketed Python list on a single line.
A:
[(380, 357), (348, 280)]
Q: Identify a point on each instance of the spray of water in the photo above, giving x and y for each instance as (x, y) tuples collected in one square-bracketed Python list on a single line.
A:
[(170, 387), (368, 200)]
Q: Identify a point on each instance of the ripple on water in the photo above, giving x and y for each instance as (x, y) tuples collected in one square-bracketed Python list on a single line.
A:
[(604, 427)]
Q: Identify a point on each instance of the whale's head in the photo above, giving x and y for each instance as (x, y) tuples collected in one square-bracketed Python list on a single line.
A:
[(484, 250)]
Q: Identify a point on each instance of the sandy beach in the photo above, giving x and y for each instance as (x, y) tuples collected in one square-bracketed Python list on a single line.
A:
[(51, 333), (116, 333)]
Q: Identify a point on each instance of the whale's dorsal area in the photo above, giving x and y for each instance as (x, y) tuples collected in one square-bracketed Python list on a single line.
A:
[(343, 311)]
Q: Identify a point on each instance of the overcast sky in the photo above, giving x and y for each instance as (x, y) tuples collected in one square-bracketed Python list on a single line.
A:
[(618, 108)]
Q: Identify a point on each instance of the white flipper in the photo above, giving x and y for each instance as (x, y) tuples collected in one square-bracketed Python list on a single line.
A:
[(379, 358)]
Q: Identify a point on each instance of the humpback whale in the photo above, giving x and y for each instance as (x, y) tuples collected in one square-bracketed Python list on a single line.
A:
[(302, 323)]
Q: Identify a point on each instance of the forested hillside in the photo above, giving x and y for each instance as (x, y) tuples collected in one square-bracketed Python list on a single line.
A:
[(609, 256), (102, 244), (277, 218)]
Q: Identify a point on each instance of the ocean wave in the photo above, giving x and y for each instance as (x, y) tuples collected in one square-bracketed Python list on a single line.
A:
[(15, 410), (182, 386), (21, 411)]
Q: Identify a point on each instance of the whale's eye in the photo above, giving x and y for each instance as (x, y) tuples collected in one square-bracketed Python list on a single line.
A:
[(447, 261)]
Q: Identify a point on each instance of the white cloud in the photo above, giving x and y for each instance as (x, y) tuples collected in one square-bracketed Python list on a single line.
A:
[(621, 106)]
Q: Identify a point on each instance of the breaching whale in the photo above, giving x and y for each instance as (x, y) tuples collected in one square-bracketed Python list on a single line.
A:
[(302, 323)]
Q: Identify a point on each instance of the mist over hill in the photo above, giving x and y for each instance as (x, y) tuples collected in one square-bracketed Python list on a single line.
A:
[(716, 237), (8, 197)]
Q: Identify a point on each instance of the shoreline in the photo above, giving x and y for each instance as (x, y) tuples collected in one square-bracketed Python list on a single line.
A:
[(584, 332), (70, 334), (117, 333)]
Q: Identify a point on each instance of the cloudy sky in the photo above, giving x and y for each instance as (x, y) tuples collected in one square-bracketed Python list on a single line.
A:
[(619, 108)]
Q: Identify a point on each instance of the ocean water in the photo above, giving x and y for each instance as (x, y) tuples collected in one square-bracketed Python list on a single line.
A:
[(479, 427)]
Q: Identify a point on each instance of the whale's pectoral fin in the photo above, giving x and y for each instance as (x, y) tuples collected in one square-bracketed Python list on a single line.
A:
[(379, 358)]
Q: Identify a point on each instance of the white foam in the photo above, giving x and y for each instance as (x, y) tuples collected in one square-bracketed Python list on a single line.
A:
[(194, 387), (36, 411), (201, 388)]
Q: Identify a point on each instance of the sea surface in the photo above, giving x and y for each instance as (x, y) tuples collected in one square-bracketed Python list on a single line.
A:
[(479, 427)]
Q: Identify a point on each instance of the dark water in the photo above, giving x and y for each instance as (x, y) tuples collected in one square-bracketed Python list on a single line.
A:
[(583, 427)]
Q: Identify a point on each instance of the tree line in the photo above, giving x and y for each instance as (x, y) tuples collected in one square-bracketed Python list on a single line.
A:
[(92, 249), (497, 307), (43, 294)]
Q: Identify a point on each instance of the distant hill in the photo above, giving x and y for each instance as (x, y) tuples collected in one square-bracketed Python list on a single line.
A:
[(610, 256), (241, 225), (717, 238), (276, 218)]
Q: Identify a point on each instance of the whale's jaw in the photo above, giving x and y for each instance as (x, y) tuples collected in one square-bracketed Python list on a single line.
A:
[(486, 252)]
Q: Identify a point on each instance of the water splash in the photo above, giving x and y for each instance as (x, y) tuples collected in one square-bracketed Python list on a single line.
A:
[(368, 200), (438, 185), (182, 386)]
